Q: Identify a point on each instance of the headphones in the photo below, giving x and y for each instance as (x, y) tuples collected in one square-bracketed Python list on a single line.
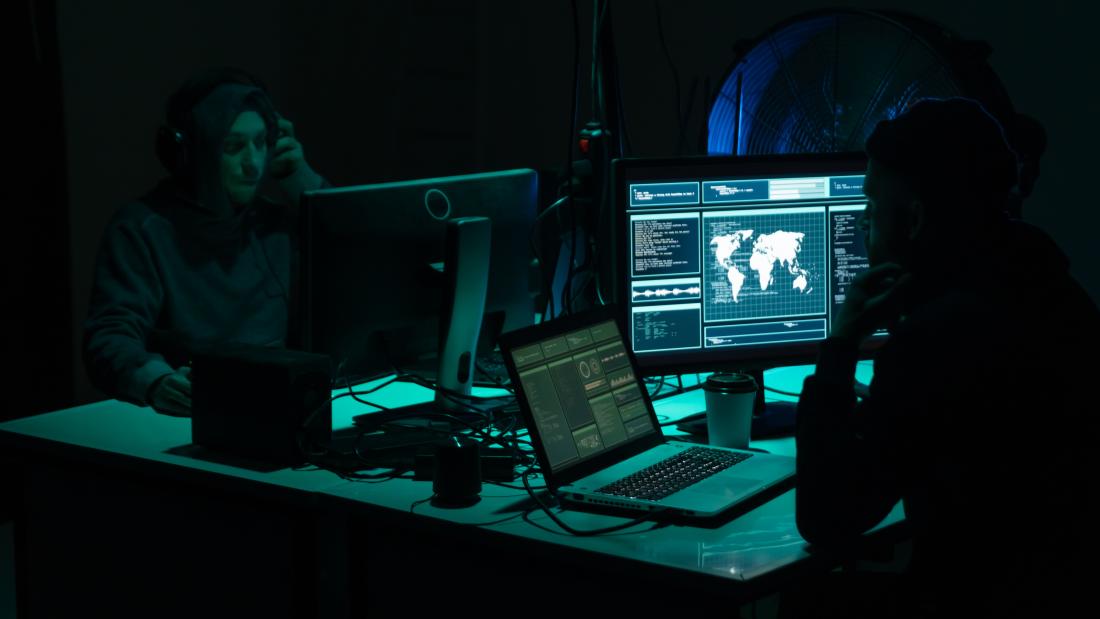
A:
[(175, 147)]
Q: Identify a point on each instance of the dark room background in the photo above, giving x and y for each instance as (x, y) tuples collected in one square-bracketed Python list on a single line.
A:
[(389, 89)]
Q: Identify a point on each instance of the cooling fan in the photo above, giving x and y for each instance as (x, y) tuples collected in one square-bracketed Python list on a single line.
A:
[(819, 82)]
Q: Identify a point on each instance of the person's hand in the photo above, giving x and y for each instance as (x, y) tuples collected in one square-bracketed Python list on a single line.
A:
[(873, 301), (288, 164), (287, 156), (172, 394)]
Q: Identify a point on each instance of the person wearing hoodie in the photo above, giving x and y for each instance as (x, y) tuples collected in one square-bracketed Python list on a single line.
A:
[(206, 257), (978, 418)]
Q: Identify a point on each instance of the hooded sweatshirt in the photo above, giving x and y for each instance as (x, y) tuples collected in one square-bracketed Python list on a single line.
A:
[(979, 419), (182, 268)]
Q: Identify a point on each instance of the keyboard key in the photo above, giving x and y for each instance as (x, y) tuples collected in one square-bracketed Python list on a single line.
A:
[(672, 475)]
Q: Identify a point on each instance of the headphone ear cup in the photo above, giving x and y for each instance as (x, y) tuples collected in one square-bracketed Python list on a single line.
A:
[(171, 148)]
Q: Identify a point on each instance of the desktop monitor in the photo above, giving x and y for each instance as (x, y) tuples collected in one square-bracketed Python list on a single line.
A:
[(372, 267), (736, 263)]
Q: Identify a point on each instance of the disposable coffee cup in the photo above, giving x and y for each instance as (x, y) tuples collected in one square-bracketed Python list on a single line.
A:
[(730, 399)]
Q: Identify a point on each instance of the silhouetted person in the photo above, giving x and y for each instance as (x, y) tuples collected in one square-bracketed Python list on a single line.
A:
[(1028, 140), (979, 417), (205, 257)]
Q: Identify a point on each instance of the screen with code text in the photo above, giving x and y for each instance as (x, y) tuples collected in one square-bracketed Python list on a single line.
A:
[(735, 257)]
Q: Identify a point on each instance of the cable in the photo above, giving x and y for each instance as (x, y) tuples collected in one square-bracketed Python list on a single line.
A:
[(566, 293), (504, 401), (513, 445), (339, 373), (486, 436), (625, 145), (681, 116), (424, 382), (547, 281), (321, 406), (492, 522), (547, 284), (603, 38), (415, 504), (661, 383), (598, 115), (493, 379), (676, 389), (310, 451), (598, 13), (355, 394), (582, 532), (449, 394), (567, 290), (781, 392), (512, 487), (553, 206)]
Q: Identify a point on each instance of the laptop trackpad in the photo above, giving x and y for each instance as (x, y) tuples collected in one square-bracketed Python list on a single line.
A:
[(726, 486)]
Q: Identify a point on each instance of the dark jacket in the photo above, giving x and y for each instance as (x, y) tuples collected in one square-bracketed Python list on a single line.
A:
[(183, 268), (169, 279), (980, 419)]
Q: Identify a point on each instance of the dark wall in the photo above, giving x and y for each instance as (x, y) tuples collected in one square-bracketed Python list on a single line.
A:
[(35, 239), (387, 89)]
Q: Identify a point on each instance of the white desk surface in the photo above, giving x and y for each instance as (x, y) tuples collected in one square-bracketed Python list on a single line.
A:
[(759, 541), (756, 542)]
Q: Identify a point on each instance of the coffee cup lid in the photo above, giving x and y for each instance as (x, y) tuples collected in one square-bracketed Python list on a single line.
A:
[(725, 382)]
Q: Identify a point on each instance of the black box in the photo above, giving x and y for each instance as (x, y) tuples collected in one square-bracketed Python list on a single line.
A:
[(260, 403)]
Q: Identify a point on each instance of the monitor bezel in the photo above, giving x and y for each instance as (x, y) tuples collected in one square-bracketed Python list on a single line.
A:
[(624, 171)]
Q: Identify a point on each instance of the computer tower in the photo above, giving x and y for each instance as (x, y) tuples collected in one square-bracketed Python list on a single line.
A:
[(260, 403)]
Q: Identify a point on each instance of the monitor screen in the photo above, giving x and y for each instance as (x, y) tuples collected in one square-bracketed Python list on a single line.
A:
[(735, 262), (372, 270)]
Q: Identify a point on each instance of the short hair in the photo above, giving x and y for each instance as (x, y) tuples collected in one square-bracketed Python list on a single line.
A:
[(952, 153)]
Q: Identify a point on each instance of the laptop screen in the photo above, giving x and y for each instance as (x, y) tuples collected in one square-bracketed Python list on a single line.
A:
[(583, 394)]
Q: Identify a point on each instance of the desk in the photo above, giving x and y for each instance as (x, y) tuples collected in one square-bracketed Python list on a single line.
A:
[(121, 514)]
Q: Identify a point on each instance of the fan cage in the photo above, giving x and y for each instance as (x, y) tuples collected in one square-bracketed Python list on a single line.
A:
[(789, 93)]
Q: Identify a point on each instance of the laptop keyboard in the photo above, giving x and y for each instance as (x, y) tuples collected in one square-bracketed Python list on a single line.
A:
[(673, 474)]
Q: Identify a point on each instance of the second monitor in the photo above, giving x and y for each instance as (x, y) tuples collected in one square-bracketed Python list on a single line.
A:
[(737, 263), (373, 273)]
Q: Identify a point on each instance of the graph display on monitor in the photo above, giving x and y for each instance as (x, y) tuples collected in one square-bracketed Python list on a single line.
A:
[(736, 261)]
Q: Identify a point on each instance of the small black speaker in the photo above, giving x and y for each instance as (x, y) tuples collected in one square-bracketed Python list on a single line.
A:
[(260, 403)]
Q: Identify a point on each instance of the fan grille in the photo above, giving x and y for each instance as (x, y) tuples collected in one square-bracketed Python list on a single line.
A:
[(822, 83)]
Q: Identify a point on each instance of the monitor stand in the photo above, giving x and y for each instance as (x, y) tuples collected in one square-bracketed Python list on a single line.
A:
[(775, 418), (465, 270)]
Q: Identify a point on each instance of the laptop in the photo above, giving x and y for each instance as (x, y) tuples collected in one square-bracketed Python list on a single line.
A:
[(596, 434)]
